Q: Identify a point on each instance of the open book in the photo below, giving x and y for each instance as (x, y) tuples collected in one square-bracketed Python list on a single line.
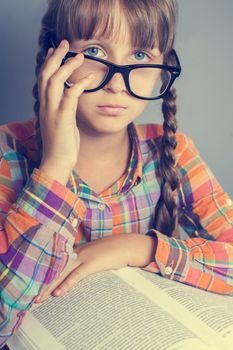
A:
[(129, 309)]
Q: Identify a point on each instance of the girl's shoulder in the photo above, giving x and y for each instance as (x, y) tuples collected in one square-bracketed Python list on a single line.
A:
[(19, 130), (18, 136)]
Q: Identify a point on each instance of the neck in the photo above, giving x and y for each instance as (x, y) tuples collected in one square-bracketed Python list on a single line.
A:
[(103, 148)]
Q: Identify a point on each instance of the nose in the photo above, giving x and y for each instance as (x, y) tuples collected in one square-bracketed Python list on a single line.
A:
[(116, 84)]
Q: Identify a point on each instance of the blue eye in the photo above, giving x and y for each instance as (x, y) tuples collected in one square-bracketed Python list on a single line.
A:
[(92, 51), (140, 55)]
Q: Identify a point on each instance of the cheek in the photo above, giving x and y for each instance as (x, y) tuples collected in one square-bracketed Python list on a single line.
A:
[(138, 106), (86, 101), (87, 97)]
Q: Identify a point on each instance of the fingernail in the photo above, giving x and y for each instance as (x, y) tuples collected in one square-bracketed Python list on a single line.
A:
[(49, 50), (57, 292), (78, 56), (91, 76), (62, 43)]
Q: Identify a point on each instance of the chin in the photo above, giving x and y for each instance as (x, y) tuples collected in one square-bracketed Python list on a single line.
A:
[(105, 124)]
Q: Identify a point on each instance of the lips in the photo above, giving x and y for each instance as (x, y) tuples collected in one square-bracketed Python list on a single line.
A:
[(111, 109), (112, 106)]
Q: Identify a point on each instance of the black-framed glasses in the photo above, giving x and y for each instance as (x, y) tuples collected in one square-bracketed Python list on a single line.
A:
[(143, 81)]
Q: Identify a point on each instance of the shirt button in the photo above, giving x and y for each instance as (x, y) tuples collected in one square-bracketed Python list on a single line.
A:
[(168, 270), (229, 201), (74, 222), (137, 182), (101, 206)]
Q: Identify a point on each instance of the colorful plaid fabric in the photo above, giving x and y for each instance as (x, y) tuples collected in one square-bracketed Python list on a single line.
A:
[(41, 220)]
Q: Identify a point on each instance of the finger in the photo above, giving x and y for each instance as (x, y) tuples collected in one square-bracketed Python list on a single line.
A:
[(43, 296), (55, 86), (49, 53), (51, 65), (71, 95), (47, 290), (74, 277), (64, 71), (55, 59)]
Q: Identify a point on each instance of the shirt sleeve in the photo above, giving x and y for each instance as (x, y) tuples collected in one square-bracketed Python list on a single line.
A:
[(37, 229), (205, 259)]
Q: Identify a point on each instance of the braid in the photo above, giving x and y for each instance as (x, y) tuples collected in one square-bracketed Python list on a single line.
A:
[(166, 213)]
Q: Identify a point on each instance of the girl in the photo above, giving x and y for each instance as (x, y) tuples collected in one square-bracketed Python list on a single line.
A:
[(82, 187)]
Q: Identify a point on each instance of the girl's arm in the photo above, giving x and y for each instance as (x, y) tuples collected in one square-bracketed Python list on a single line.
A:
[(38, 221), (206, 259), (37, 229)]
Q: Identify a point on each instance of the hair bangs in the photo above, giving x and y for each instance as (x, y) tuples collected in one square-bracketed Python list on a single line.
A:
[(153, 22), (85, 19), (149, 21)]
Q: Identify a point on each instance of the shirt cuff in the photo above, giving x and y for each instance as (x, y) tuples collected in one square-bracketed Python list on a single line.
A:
[(172, 257)]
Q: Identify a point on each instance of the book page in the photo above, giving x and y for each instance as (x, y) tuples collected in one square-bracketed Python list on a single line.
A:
[(104, 312), (214, 310), (158, 295)]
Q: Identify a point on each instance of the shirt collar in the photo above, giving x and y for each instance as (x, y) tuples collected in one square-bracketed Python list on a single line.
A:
[(134, 171)]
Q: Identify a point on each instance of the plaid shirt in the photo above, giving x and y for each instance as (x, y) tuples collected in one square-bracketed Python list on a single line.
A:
[(41, 220)]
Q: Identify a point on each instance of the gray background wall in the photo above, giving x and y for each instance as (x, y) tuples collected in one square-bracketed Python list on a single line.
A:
[(205, 47)]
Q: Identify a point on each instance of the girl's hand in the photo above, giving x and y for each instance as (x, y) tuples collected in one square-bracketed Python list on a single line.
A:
[(112, 252), (58, 106)]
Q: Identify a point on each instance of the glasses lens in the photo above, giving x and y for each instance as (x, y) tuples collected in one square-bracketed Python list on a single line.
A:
[(99, 69), (149, 82)]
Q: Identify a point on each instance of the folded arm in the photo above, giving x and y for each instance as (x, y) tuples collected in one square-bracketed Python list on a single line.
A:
[(205, 259), (36, 241)]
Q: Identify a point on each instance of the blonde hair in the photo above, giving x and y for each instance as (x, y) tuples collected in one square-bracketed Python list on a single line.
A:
[(152, 23)]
